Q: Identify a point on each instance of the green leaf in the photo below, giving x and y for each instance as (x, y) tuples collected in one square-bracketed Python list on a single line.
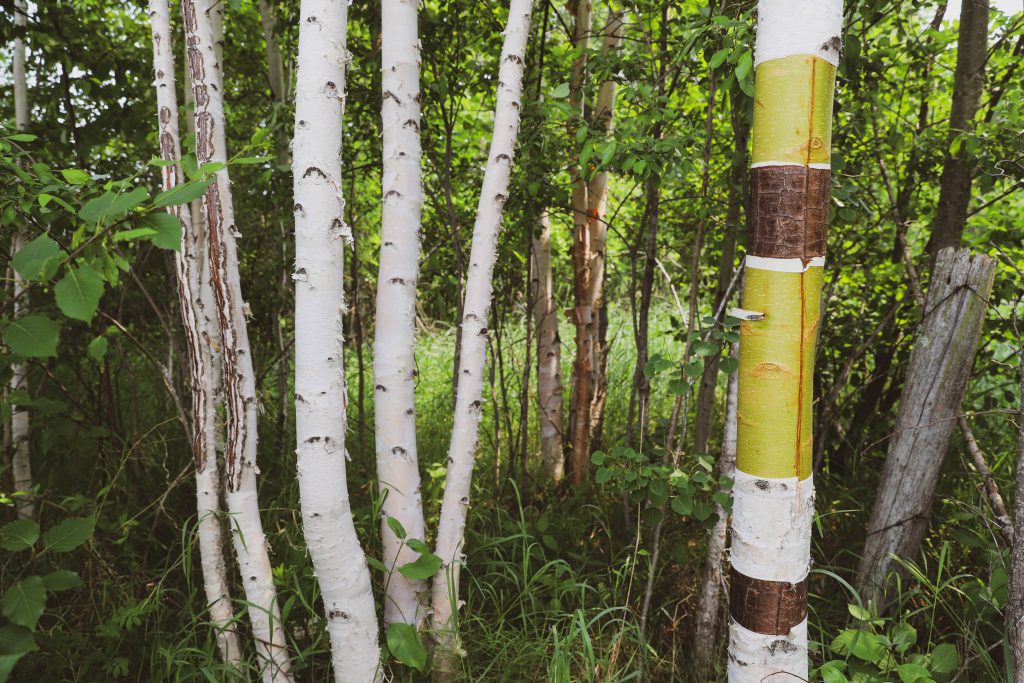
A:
[(24, 602), (396, 527), (182, 194), (98, 348), (19, 535), (695, 368), (22, 137), (61, 580), (166, 229), (911, 673), (729, 365), (424, 567), (560, 91), (134, 234), (597, 458), (701, 510), (858, 612), (375, 564), (15, 642), (682, 505), (38, 259), (703, 348), (69, 534), (832, 672), (744, 65), (718, 58), (78, 293), (33, 336), (603, 476), (903, 636), (110, 205), (75, 176), (657, 492), (861, 644), (404, 643), (945, 659)]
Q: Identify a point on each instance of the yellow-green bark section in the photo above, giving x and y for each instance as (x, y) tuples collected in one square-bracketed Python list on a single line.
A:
[(793, 110), (776, 373)]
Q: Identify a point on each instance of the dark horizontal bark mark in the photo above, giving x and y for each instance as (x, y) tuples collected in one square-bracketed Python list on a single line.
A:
[(766, 607)]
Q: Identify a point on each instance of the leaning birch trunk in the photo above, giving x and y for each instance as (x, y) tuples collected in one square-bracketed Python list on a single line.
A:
[(580, 314), (21, 462), (239, 381), (795, 58), (549, 355), (203, 379), (597, 225), (394, 368), (468, 404), (940, 365), (709, 602), (320, 396)]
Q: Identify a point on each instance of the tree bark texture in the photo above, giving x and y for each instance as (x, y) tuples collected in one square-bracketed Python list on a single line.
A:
[(940, 365), (239, 380), (549, 355), (468, 400), (795, 57)]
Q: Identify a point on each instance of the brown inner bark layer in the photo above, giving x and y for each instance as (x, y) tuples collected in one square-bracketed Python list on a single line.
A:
[(767, 607), (789, 211)]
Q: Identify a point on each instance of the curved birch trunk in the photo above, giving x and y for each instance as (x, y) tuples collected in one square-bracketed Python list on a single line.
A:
[(239, 381), (549, 355), (796, 53), (21, 462), (203, 381), (393, 361), (468, 404), (597, 225), (581, 313), (320, 394)]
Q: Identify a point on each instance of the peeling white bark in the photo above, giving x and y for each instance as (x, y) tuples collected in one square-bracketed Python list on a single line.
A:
[(549, 355), (239, 381), (771, 525), (211, 546), (321, 237), (758, 658), (468, 404), (398, 472), (21, 462), (799, 27)]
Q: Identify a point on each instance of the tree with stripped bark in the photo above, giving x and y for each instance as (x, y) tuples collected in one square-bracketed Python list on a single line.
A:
[(795, 57)]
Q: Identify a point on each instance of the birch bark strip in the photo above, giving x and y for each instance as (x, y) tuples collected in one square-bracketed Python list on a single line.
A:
[(239, 381), (468, 404), (393, 360), (549, 355)]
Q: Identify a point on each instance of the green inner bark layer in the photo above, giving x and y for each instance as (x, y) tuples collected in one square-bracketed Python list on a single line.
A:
[(793, 111)]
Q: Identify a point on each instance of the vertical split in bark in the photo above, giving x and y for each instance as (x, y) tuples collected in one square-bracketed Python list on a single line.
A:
[(796, 53), (958, 168), (549, 355), (468, 401), (394, 368), (321, 237), (203, 379), (21, 461), (940, 365), (581, 314), (239, 380)]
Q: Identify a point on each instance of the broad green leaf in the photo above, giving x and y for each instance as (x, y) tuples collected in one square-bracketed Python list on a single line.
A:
[(33, 336), (682, 505), (597, 458), (133, 234), (561, 91), (75, 176), (38, 259), (603, 475), (945, 659), (61, 580), (911, 673), (15, 642), (69, 534), (703, 348), (404, 644), (744, 65), (111, 205), (903, 636), (24, 602), (861, 644), (166, 228), (729, 365), (19, 535), (78, 293), (858, 612), (182, 194), (244, 161), (718, 58), (701, 510), (98, 348), (424, 567), (396, 528), (22, 137)]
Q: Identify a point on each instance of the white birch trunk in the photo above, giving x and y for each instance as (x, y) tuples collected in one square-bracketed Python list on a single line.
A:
[(320, 393), (211, 547), (468, 404), (21, 462), (239, 381), (393, 362), (549, 356)]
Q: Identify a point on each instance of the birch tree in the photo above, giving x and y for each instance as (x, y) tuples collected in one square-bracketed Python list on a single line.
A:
[(468, 404), (239, 381), (398, 472), (21, 461), (202, 379), (796, 53), (320, 394), (549, 354)]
